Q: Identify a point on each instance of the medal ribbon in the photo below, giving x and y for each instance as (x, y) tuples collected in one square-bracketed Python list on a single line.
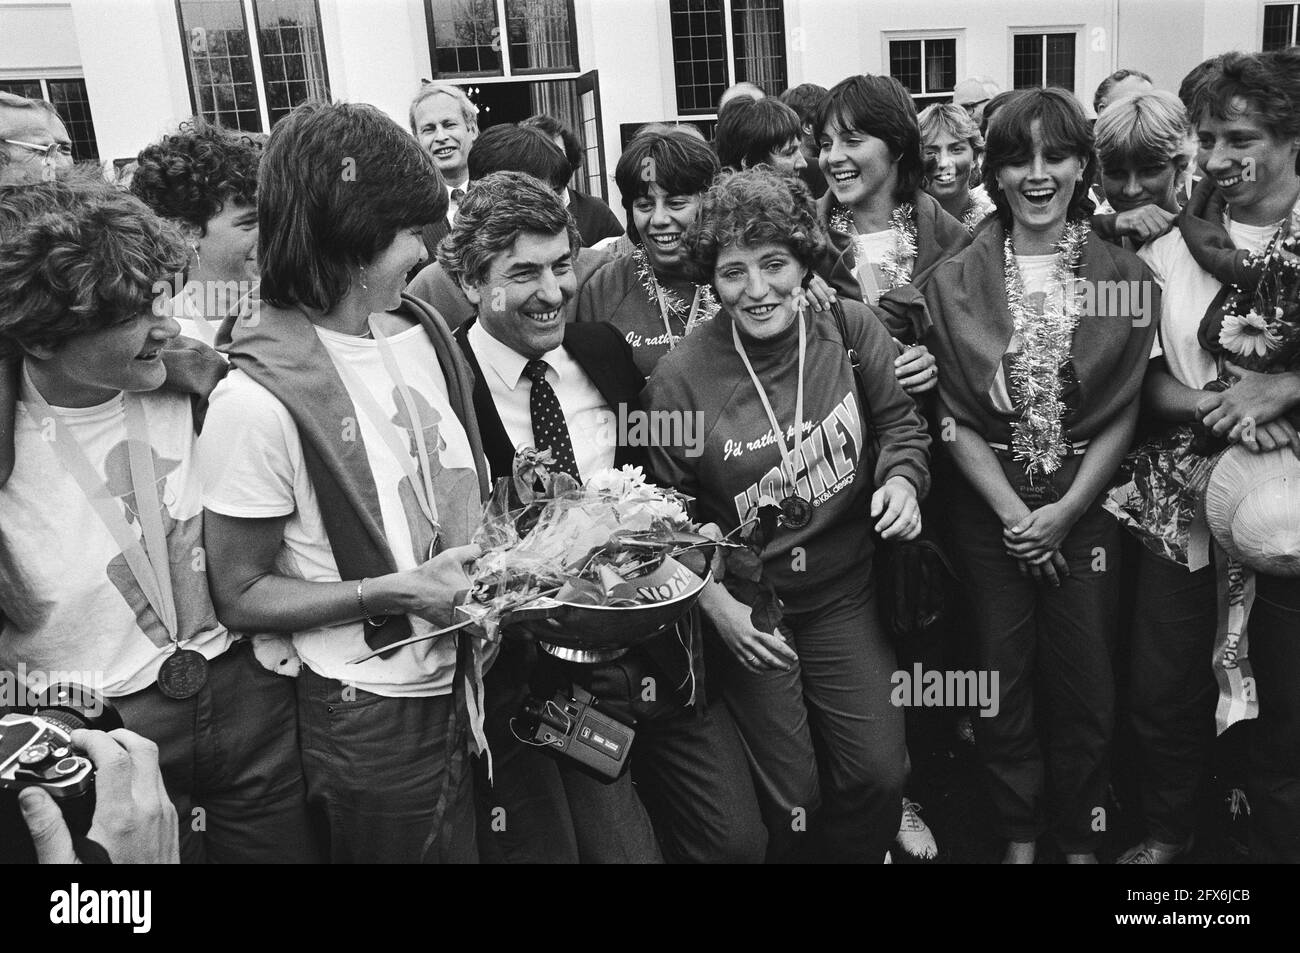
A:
[(152, 569), (1238, 699), (787, 453), (421, 480), (664, 310)]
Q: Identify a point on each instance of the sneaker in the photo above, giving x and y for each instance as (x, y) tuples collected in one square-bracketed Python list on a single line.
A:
[(914, 836), (1154, 852)]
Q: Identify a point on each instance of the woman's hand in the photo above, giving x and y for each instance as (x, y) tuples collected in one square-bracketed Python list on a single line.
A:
[(1260, 397), (1269, 437), (1041, 533), (917, 370), (433, 589), (895, 504), (757, 651), (1144, 223), (1049, 569), (819, 295)]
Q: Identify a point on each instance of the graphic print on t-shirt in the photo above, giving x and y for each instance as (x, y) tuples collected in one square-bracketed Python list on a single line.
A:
[(456, 489), (826, 459), (184, 553)]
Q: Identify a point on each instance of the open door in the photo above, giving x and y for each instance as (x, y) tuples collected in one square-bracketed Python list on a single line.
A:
[(587, 87)]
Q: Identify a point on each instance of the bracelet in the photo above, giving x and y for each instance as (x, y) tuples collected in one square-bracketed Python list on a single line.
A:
[(373, 621)]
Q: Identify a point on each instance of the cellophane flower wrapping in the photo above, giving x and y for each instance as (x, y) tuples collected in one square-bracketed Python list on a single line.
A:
[(568, 541)]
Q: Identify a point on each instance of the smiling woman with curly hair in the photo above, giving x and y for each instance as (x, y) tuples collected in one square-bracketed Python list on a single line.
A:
[(204, 179), (787, 423)]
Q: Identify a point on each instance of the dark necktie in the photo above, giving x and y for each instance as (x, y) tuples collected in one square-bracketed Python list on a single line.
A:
[(550, 432)]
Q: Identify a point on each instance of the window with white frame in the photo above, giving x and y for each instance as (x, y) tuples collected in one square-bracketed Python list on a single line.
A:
[(1043, 59), (473, 38), (248, 78), (717, 43), (1280, 24), (926, 66), (68, 96)]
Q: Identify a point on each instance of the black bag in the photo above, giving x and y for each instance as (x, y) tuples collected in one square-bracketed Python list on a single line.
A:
[(914, 578)]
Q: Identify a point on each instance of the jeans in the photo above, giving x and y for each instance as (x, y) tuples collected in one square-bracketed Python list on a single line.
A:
[(379, 768), (692, 800), (1046, 751), (229, 756), (1175, 693), (840, 689)]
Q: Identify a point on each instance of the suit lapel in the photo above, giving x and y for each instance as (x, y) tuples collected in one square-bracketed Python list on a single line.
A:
[(497, 447)]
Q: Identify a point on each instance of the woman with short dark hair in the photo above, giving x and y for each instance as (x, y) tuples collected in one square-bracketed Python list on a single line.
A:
[(343, 476), (759, 132), (596, 223), (204, 178), (1042, 387), (885, 231), (651, 295), (763, 364)]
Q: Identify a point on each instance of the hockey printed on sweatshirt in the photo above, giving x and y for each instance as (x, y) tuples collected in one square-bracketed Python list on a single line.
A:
[(826, 459)]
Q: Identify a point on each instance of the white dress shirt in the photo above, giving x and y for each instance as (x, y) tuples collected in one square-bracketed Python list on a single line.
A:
[(453, 206), (592, 423)]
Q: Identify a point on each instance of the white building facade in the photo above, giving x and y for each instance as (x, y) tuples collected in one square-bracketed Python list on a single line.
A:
[(124, 71)]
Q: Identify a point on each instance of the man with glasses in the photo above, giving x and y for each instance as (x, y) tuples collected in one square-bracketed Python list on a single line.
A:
[(34, 145)]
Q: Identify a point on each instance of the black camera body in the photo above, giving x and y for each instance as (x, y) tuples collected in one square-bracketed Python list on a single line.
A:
[(36, 750), (572, 726)]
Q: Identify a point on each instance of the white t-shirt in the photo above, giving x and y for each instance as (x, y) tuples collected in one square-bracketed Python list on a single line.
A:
[(1035, 270), (1186, 292), (869, 251), (70, 600), (253, 468), (193, 324)]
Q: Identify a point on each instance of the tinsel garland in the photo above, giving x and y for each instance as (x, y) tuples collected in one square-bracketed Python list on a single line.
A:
[(1038, 437), (677, 308), (896, 267)]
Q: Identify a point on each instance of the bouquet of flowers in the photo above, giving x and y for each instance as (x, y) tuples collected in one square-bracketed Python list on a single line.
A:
[(615, 541), (1258, 327)]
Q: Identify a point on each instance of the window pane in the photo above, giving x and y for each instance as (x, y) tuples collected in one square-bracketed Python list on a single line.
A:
[(69, 98), (1027, 61), (467, 38), (221, 68), (905, 63), (27, 88), (758, 33), (940, 65), (1278, 21), (293, 58), (1060, 60), (542, 36), (702, 20)]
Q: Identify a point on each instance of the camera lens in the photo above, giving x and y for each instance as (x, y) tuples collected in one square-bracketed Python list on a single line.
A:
[(72, 706)]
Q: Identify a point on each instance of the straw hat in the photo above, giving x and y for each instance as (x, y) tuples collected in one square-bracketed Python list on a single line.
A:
[(1252, 505)]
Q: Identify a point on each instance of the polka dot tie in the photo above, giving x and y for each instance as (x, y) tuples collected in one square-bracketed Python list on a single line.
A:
[(550, 432)]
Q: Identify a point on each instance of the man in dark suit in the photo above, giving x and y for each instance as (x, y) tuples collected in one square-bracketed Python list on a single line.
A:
[(542, 382), (505, 147)]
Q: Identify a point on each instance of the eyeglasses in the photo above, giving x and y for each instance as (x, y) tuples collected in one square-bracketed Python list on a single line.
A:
[(50, 153)]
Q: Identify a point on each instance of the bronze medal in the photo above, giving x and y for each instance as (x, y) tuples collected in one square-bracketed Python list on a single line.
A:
[(796, 512), (183, 674)]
